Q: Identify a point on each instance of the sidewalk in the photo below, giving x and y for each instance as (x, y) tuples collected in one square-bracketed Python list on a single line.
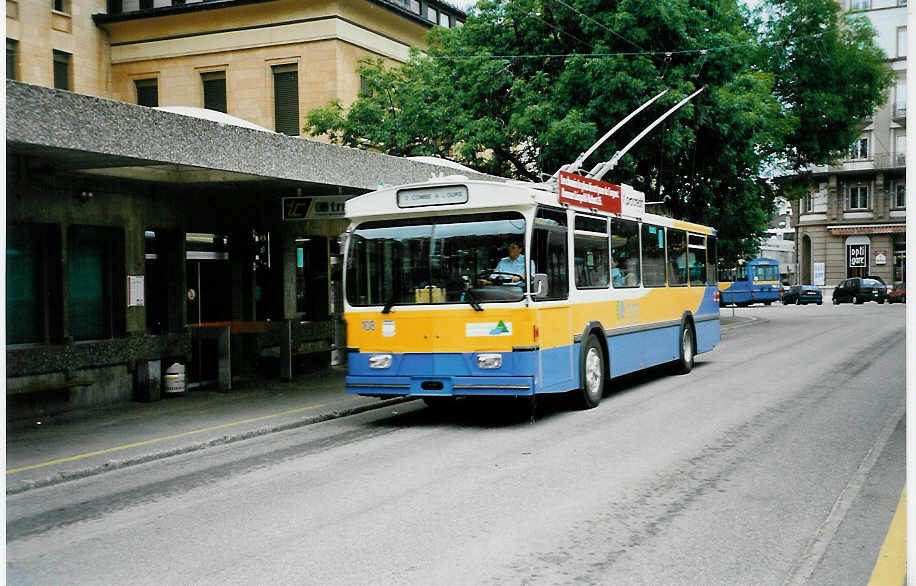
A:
[(74, 445), (47, 451)]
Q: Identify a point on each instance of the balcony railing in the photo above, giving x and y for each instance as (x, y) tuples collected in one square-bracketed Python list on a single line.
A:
[(890, 160)]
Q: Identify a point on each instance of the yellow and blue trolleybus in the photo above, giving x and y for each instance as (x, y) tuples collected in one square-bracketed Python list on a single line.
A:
[(458, 287)]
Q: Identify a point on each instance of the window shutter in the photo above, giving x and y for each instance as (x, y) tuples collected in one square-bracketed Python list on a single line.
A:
[(215, 91), (61, 70), (286, 100), (10, 59), (147, 92)]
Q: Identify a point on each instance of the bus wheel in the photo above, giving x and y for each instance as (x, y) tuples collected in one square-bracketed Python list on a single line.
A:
[(593, 374), (684, 364)]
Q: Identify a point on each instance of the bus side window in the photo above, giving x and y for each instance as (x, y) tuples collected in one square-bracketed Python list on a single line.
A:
[(549, 251), (625, 268), (678, 259), (712, 261)]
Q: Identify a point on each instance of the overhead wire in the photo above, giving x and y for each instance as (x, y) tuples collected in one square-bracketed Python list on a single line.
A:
[(596, 55)]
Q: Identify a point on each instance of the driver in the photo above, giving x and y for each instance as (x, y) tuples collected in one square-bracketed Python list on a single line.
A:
[(514, 264)]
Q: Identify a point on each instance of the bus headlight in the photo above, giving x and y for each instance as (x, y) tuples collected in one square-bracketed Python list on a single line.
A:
[(380, 361), (489, 361)]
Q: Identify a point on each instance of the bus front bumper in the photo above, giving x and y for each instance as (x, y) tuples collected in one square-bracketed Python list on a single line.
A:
[(440, 386)]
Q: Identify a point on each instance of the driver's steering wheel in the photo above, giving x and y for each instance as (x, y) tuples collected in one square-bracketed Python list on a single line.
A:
[(498, 277)]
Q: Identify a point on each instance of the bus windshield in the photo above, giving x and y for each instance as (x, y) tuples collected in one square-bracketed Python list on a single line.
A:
[(766, 273), (439, 259)]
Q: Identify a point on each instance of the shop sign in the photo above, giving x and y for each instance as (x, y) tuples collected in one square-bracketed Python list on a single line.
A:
[(314, 208), (881, 258), (857, 256)]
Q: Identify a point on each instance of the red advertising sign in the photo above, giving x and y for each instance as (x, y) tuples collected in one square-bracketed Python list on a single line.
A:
[(583, 192)]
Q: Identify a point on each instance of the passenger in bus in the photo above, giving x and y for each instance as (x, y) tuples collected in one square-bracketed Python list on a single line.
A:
[(514, 264)]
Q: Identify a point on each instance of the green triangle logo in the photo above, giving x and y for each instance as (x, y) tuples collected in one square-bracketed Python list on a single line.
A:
[(500, 328)]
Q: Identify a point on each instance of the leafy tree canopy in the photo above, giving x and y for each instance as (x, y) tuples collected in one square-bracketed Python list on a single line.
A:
[(524, 86)]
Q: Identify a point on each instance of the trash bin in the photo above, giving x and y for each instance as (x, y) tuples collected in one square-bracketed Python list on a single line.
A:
[(175, 383)]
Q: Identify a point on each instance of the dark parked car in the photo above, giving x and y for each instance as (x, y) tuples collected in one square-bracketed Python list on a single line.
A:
[(802, 295), (859, 290), (880, 280), (898, 295)]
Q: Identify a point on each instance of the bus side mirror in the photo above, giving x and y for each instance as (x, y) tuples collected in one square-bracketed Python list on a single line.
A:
[(539, 286)]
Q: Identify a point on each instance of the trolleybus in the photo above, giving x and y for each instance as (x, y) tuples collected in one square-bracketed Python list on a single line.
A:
[(457, 287), (755, 281)]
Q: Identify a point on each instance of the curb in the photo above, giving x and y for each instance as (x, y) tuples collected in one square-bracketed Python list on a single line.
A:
[(111, 465)]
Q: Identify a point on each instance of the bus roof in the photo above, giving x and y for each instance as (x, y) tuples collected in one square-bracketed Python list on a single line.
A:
[(449, 194)]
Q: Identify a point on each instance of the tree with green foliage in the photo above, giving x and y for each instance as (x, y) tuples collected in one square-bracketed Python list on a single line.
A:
[(524, 86)]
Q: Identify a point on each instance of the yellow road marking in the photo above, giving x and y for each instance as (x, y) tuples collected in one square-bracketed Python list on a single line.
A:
[(890, 569), (159, 439)]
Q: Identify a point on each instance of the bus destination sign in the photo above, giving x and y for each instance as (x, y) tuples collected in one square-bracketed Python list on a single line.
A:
[(583, 192), (432, 196)]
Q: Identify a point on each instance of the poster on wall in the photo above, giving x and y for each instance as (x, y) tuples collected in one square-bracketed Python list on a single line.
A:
[(820, 273), (135, 291)]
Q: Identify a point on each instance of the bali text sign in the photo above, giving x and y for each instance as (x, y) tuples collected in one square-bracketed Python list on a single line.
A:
[(583, 192)]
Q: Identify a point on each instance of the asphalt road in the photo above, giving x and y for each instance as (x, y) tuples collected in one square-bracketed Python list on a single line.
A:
[(778, 460)]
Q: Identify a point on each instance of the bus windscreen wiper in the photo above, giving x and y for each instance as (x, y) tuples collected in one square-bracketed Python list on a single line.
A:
[(390, 303), (472, 299)]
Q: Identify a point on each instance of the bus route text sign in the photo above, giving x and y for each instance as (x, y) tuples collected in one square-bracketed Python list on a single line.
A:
[(583, 192), (432, 196)]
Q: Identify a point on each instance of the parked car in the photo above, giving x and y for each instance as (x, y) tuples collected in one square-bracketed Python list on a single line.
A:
[(802, 295), (880, 280), (898, 295), (859, 290)]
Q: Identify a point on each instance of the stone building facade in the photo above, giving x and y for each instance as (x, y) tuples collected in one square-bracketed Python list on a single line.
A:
[(852, 222)]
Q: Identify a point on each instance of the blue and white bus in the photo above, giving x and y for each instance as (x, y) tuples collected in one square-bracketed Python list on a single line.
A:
[(755, 281)]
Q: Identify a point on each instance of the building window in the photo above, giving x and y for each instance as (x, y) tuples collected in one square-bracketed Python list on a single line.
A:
[(858, 198), (859, 149), (146, 4), (900, 194), (155, 284), (859, 4), (61, 6), (900, 149), (899, 250), (32, 283), (807, 203), (431, 14), (900, 96), (147, 92), (96, 283), (11, 50), (214, 90), (286, 99), (443, 20), (901, 41), (61, 70)]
